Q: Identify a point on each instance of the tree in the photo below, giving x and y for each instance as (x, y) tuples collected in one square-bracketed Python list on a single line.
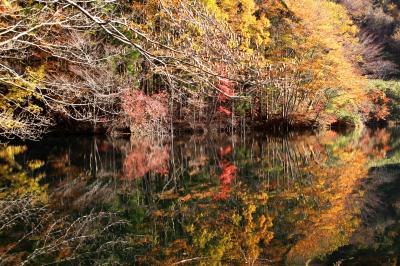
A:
[(86, 62)]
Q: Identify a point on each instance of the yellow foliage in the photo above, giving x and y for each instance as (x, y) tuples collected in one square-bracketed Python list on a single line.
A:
[(19, 95), (240, 15), (334, 184), (321, 39)]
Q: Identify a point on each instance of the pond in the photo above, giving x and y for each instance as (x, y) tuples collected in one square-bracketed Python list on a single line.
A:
[(324, 198)]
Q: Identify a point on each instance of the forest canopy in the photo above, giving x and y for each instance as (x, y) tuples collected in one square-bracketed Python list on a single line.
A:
[(157, 65)]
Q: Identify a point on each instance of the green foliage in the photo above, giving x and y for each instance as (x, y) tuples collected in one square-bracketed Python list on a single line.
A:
[(242, 107), (344, 110), (127, 62)]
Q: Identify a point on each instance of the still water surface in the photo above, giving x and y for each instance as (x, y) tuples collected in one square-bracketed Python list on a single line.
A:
[(300, 199)]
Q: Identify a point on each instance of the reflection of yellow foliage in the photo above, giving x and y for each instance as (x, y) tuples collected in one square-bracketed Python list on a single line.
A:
[(235, 236), (223, 234), (313, 197), (331, 226), (19, 180)]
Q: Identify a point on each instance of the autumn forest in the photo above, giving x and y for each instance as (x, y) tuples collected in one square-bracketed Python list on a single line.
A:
[(199, 132), (149, 67)]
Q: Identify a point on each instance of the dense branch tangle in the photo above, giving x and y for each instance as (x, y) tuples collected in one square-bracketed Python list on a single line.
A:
[(78, 59), (184, 51), (69, 68), (189, 49)]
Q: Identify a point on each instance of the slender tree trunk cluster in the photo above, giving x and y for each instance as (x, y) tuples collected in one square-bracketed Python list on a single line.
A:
[(100, 65)]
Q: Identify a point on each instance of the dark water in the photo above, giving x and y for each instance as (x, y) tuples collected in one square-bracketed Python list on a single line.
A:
[(300, 199)]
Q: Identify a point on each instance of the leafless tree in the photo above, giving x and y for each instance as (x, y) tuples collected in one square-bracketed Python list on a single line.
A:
[(85, 238), (79, 84), (373, 62)]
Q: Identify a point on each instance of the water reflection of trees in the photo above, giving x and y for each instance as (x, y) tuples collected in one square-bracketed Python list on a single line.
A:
[(224, 200), (18, 179), (31, 232), (312, 183), (375, 241)]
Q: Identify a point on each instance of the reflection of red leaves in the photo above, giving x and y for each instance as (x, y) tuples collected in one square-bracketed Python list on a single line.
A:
[(225, 151), (144, 158), (227, 176), (386, 148), (223, 193), (224, 110), (376, 143)]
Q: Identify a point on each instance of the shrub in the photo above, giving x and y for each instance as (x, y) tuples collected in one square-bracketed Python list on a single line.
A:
[(392, 91), (147, 113)]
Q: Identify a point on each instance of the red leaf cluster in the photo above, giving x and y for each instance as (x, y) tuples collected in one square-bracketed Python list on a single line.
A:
[(386, 148), (378, 108), (224, 110), (226, 90), (142, 108)]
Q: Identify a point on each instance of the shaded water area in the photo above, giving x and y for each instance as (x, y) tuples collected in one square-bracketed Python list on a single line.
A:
[(301, 199)]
